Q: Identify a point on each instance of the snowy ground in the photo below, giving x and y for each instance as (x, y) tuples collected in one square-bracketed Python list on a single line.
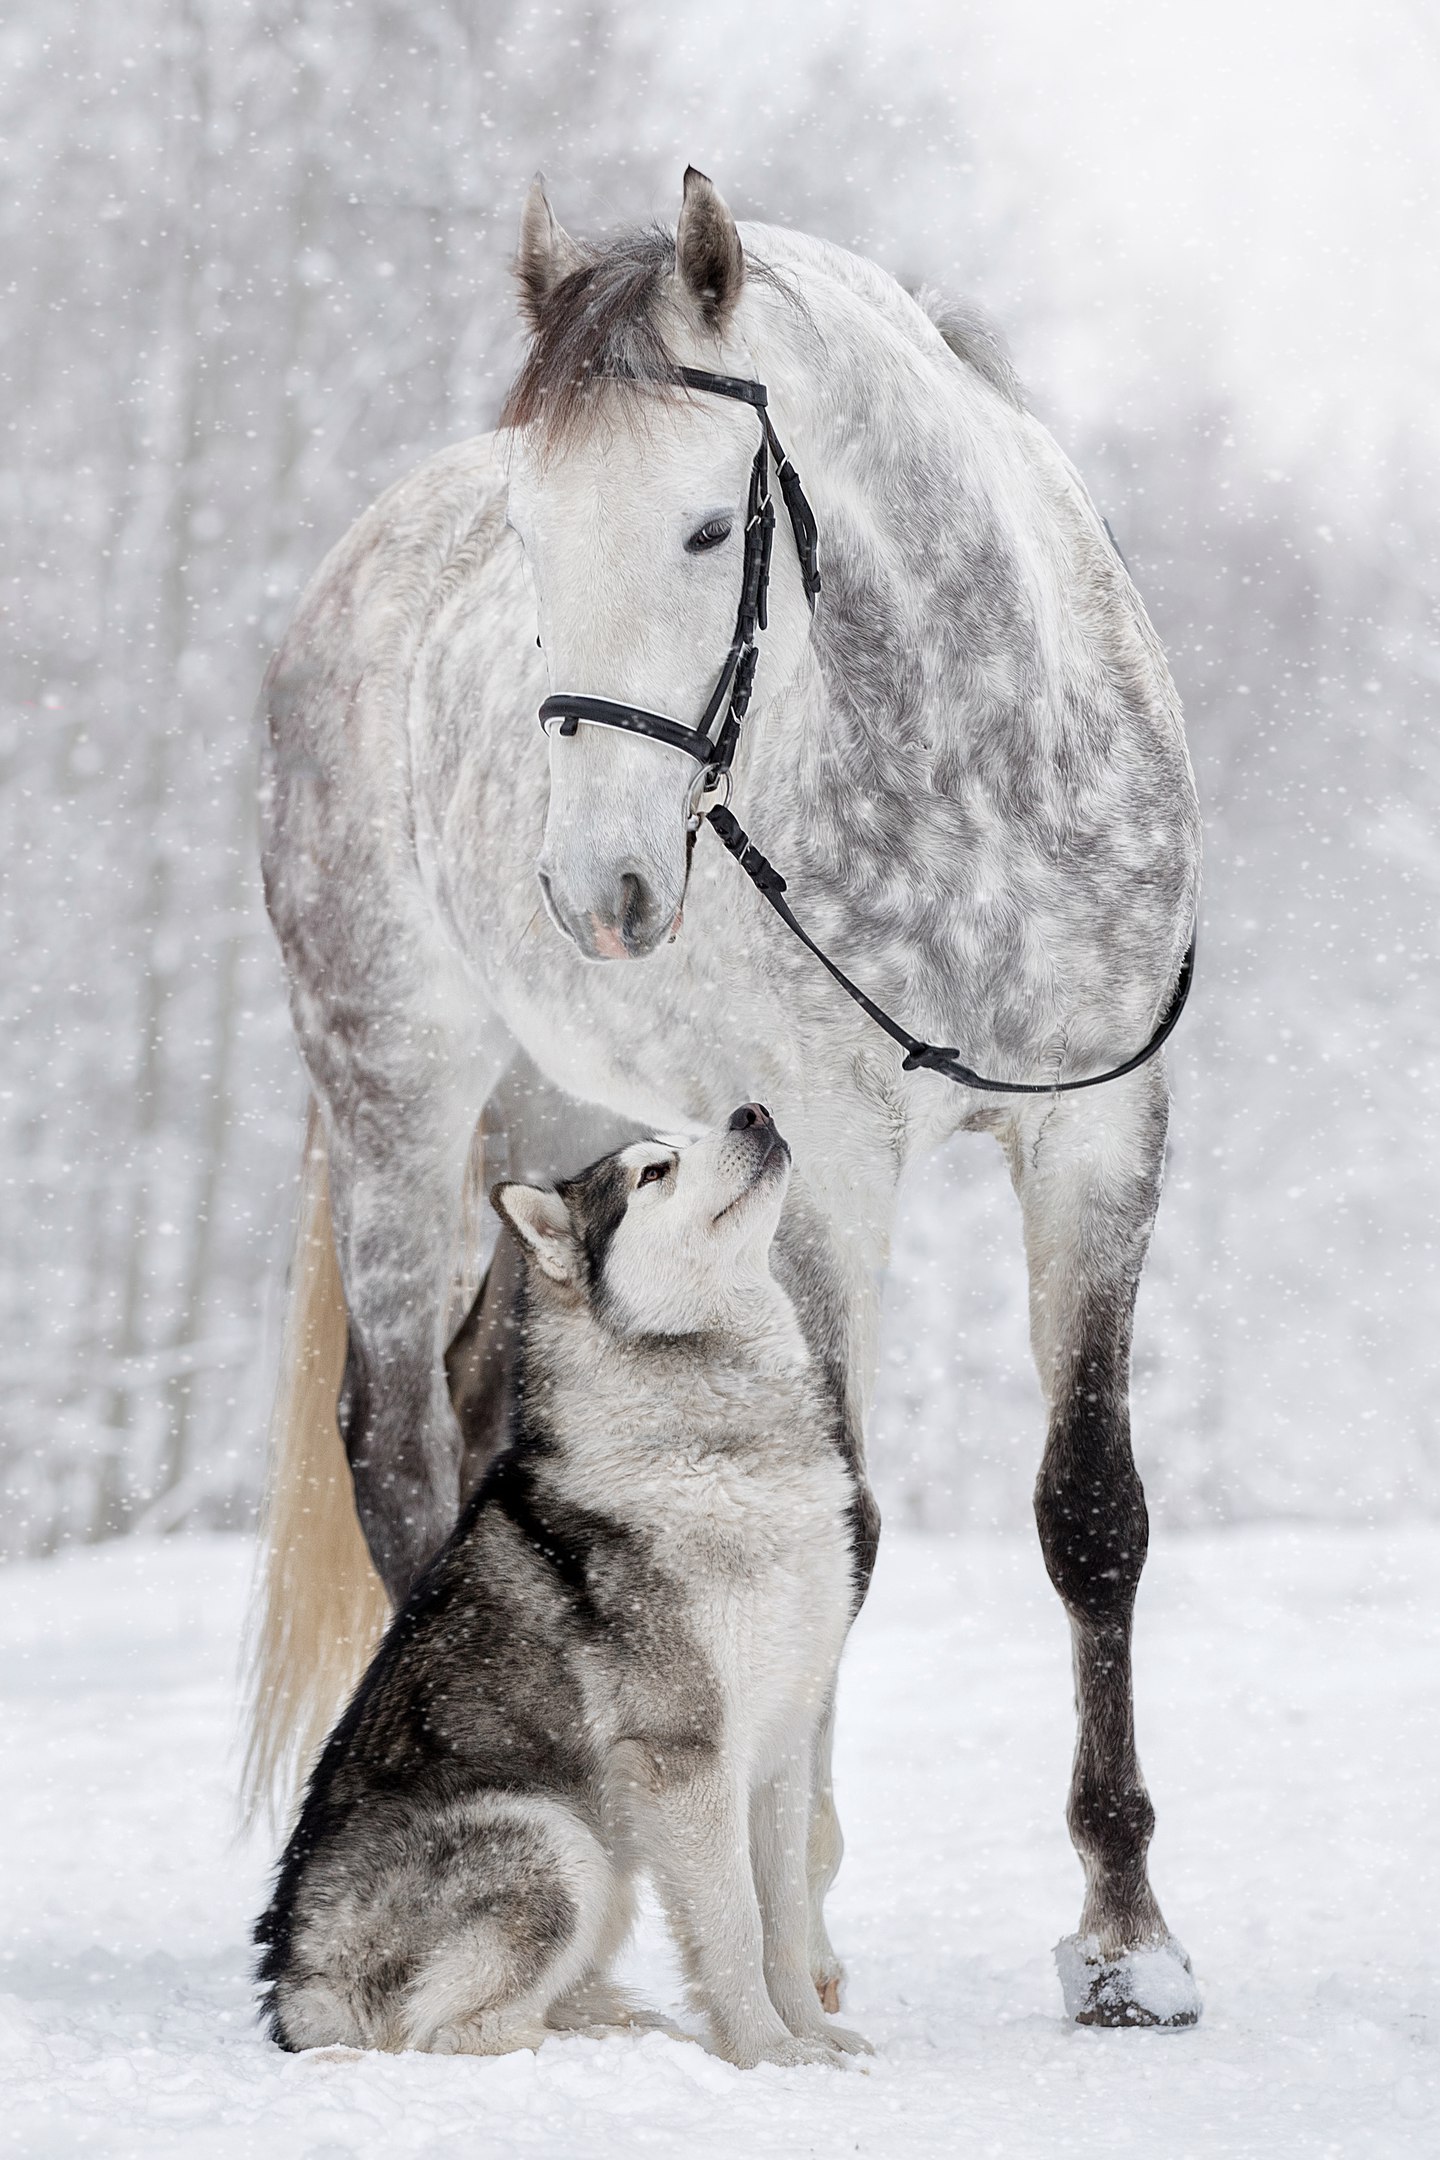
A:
[(1289, 1690)]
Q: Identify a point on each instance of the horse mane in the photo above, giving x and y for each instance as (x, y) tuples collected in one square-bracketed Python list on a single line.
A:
[(973, 338)]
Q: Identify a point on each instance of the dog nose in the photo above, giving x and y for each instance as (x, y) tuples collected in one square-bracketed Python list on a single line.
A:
[(748, 1114)]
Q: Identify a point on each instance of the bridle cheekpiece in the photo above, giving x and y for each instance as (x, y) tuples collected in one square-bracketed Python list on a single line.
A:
[(712, 748)]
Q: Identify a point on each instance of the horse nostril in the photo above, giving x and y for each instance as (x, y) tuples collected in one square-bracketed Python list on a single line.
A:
[(634, 908), (748, 1114)]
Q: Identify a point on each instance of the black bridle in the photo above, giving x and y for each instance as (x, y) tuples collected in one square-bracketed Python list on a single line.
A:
[(714, 752)]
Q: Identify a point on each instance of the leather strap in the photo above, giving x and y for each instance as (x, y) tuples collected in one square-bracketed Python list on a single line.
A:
[(922, 1056), (731, 386), (569, 707)]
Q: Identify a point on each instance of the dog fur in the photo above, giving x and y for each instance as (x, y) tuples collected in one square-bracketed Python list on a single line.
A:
[(621, 1662)]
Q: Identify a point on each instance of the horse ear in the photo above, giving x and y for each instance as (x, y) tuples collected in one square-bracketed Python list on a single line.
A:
[(708, 254), (541, 1221), (546, 253)]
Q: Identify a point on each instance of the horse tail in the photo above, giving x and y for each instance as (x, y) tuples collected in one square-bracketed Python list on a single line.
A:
[(318, 1607)]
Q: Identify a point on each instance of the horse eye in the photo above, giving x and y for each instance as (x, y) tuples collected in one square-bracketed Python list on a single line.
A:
[(652, 1173), (712, 534)]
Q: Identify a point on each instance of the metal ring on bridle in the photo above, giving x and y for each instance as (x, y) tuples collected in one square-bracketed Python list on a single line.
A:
[(708, 782)]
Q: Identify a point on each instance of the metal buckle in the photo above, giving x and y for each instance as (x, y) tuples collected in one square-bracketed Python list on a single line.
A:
[(702, 787)]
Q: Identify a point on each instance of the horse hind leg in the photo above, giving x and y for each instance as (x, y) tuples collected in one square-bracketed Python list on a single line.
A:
[(1088, 1175)]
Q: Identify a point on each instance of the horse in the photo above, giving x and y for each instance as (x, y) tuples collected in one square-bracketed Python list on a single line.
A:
[(966, 752)]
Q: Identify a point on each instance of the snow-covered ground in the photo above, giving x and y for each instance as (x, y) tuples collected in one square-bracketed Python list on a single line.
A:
[(1289, 1686)]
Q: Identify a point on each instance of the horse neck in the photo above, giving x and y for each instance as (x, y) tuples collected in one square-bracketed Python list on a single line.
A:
[(954, 535)]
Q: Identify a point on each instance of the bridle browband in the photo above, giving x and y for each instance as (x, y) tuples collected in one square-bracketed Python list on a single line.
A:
[(714, 752)]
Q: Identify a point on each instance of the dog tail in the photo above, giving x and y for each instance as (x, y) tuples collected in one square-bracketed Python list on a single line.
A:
[(318, 1607)]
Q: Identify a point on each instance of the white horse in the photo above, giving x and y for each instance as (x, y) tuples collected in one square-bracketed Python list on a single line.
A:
[(969, 762)]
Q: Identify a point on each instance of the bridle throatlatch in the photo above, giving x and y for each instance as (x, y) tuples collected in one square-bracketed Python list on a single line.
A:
[(713, 748)]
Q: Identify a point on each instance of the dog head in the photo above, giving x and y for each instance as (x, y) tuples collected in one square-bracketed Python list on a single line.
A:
[(665, 1237)]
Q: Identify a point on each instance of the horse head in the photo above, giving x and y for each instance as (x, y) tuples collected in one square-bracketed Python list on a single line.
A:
[(629, 495)]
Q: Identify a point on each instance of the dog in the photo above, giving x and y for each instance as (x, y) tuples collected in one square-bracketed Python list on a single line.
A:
[(617, 1665)]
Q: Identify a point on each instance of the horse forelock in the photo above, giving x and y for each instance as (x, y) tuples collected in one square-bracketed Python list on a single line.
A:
[(599, 333), (601, 337)]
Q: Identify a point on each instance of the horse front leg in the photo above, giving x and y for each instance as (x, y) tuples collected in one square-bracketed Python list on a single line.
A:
[(1087, 1169), (397, 1167)]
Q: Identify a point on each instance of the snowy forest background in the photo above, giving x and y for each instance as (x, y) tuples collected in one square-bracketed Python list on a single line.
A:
[(253, 261)]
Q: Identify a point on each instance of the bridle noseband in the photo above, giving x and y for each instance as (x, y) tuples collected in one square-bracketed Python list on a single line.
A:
[(714, 753)]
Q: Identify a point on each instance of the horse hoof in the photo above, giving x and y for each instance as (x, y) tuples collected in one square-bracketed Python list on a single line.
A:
[(1152, 1985), (828, 1990)]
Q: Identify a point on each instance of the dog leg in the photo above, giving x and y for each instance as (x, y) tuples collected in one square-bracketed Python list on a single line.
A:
[(696, 1837), (600, 2007), (597, 2006), (780, 1828), (453, 1932), (825, 1848)]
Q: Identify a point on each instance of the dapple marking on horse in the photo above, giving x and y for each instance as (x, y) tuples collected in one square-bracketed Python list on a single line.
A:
[(971, 764)]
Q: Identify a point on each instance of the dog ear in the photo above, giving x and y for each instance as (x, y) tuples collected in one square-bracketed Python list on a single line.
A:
[(546, 253), (541, 1221), (708, 254)]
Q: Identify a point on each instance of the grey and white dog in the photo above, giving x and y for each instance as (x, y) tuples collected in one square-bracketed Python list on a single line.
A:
[(621, 1661)]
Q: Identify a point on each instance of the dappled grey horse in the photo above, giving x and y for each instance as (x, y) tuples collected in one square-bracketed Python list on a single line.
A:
[(967, 758)]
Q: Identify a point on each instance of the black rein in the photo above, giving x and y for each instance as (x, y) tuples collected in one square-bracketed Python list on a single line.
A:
[(715, 752)]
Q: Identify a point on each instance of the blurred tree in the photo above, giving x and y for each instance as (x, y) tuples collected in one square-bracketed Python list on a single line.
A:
[(257, 264)]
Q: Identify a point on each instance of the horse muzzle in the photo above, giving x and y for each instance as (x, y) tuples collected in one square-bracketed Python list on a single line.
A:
[(625, 920)]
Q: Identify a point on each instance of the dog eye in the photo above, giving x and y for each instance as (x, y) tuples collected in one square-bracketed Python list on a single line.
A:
[(712, 534), (652, 1173)]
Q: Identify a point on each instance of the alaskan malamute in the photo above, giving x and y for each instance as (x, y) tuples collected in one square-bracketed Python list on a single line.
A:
[(617, 1664)]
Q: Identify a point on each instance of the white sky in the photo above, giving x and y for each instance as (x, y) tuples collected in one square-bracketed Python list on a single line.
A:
[(1243, 190), (1262, 176)]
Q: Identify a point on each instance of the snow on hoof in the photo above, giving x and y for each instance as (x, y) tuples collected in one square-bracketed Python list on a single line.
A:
[(1150, 1986)]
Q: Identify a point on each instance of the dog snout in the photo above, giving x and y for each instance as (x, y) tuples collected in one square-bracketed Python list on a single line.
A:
[(748, 1115), (758, 1135)]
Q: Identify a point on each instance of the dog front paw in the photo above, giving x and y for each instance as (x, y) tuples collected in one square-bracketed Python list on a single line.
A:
[(787, 2050)]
